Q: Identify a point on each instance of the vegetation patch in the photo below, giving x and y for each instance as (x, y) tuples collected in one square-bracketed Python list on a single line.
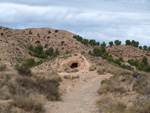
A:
[(3, 67), (40, 53), (48, 87)]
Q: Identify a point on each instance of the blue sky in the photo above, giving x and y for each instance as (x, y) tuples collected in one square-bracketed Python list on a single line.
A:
[(103, 20)]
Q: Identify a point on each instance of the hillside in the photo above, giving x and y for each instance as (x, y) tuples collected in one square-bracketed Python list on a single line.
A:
[(128, 52), (15, 43), (74, 81)]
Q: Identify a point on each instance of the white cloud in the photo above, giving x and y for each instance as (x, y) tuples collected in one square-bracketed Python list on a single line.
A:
[(124, 19)]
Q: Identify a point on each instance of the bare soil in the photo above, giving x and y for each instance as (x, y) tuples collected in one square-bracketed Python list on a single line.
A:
[(79, 95)]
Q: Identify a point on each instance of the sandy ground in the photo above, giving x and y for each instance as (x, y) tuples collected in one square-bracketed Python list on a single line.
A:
[(79, 95)]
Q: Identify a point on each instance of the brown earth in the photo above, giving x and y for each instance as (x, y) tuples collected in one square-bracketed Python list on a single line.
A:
[(79, 95), (15, 43), (128, 52)]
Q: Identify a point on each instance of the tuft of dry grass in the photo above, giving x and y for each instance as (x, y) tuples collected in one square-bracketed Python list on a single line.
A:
[(109, 105), (101, 71), (25, 71), (48, 87), (29, 103), (92, 68)]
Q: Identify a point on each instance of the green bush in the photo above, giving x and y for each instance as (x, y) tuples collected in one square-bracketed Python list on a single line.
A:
[(97, 52), (121, 59), (37, 51), (31, 48), (31, 63), (67, 52), (85, 41), (82, 52), (117, 42), (111, 43), (141, 66), (117, 61), (92, 42), (40, 53), (126, 67), (77, 37), (103, 44), (144, 60), (133, 62), (147, 68), (49, 51), (128, 42), (105, 55), (109, 59), (90, 53)]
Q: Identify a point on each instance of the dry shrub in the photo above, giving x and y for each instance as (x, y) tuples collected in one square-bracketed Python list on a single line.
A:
[(29, 103), (25, 71), (109, 105), (142, 105), (101, 71), (48, 87), (2, 67), (112, 85), (142, 84), (111, 88), (4, 93), (92, 68)]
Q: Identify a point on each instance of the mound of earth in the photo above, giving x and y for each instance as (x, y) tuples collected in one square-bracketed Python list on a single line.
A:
[(68, 62)]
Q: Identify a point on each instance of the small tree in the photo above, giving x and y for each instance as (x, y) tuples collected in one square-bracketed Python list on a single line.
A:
[(57, 52), (105, 55), (39, 49), (97, 43), (50, 51), (103, 49), (117, 42), (103, 44), (140, 47), (121, 59), (92, 42), (128, 42), (85, 41), (31, 48), (141, 66), (117, 62), (77, 37), (90, 53), (97, 52), (111, 43), (149, 48), (145, 47), (134, 43), (144, 60)]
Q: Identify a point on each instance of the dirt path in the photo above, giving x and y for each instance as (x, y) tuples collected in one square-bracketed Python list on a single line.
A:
[(79, 96)]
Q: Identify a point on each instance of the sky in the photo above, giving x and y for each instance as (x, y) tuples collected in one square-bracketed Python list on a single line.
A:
[(102, 20)]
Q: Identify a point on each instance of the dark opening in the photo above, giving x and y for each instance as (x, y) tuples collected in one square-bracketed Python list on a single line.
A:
[(74, 65)]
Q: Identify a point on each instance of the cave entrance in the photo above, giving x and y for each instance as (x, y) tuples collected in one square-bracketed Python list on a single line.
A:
[(74, 65)]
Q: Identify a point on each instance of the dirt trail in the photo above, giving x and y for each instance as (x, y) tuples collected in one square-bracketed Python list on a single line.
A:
[(79, 96)]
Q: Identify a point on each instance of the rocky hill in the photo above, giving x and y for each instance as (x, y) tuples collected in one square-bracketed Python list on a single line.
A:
[(15, 43)]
